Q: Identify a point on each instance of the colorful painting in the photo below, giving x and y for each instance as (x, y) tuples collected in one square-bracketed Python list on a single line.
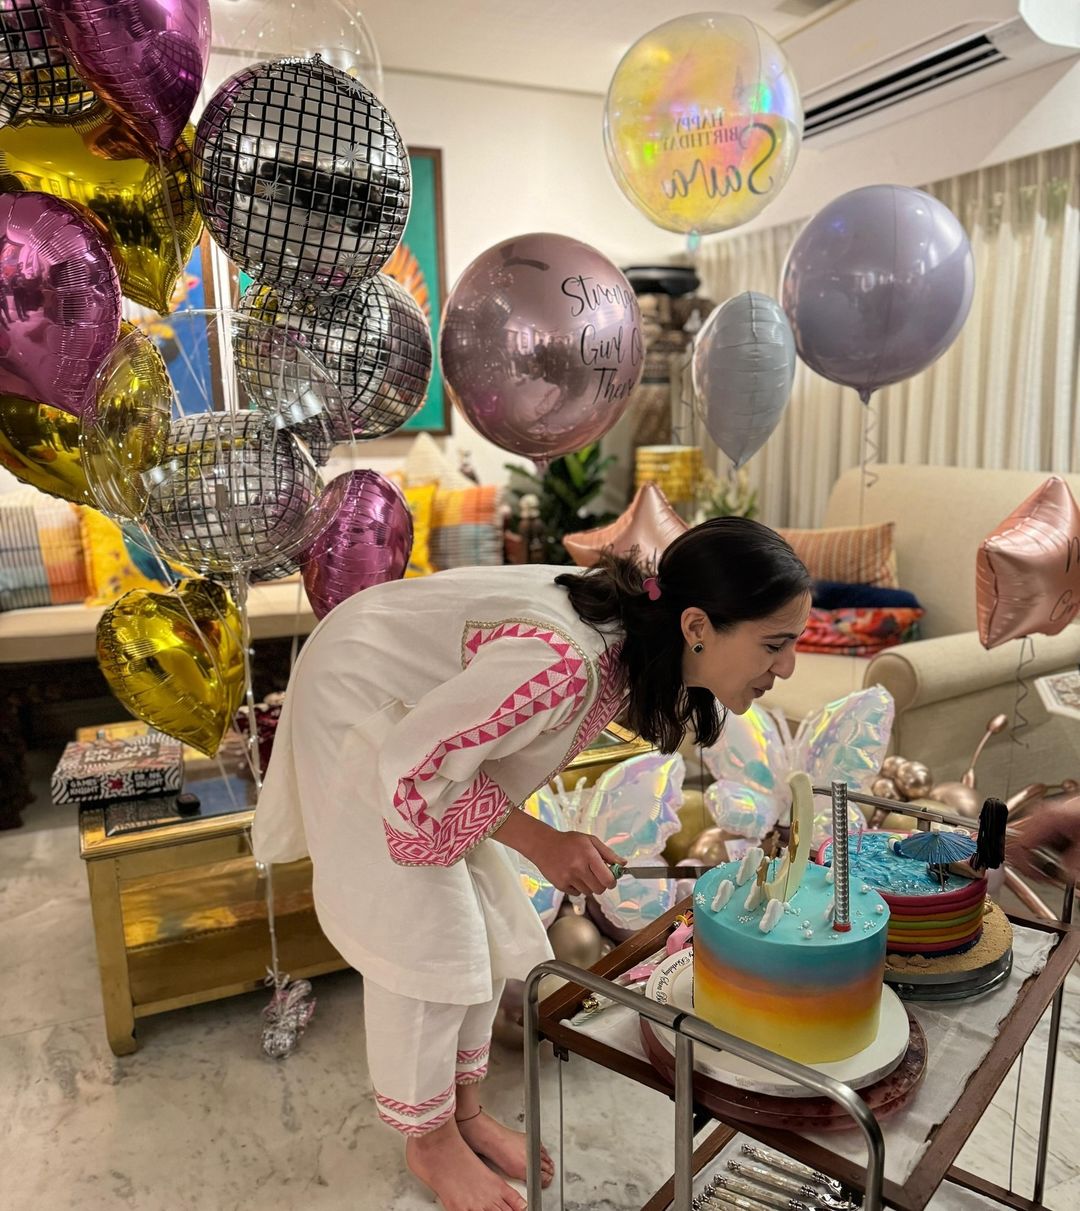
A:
[(417, 264), (189, 353)]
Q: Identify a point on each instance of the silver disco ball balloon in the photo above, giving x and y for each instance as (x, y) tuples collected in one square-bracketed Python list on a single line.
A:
[(232, 493), (301, 175), (371, 341)]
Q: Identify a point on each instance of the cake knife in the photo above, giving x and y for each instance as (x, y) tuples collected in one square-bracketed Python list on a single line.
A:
[(658, 871), (795, 1168)]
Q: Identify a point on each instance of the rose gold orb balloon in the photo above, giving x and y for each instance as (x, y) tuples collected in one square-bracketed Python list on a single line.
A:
[(890, 765), (913, 780), (885, 788), (964, 800)]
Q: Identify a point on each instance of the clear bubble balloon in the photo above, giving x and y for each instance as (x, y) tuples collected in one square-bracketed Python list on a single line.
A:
[(703, 122), (331, 29)]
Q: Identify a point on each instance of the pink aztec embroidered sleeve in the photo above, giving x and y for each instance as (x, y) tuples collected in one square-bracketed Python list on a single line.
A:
[(519, 681)]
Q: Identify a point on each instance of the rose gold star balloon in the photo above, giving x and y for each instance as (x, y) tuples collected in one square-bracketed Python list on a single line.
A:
[(1027, 578), (650, 524)]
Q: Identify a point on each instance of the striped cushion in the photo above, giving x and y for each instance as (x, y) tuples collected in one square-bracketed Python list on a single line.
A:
[(853, 554), (466, 527)]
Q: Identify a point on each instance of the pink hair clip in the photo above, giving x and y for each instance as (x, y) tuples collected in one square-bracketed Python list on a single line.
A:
[(651, 586)]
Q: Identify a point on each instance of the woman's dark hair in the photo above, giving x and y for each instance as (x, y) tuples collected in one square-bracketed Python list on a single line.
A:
[(734, 569)]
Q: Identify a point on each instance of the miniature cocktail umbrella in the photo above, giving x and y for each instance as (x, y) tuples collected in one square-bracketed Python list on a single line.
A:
[(937, 849)]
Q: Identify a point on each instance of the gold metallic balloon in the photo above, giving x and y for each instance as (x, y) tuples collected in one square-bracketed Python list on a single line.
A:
[(144, 203), (126, 432), (693, 817), (575, 939), (175, 660), (913, 780), (963, 800), (40, 445), (709, 848)]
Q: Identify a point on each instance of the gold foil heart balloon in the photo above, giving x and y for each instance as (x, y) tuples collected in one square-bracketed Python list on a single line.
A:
[(40, 445), (144, 203), (175, 660)]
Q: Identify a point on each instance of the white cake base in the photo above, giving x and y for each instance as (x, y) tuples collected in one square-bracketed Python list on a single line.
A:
[(672, 983)]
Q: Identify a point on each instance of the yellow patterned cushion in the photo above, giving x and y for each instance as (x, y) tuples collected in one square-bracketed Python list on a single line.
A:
[(852, 554), (109, 570), (421, 502)]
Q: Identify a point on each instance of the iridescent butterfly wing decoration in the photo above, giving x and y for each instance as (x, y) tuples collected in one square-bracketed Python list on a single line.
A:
[(846, 739), (750, 763), (634, 808)]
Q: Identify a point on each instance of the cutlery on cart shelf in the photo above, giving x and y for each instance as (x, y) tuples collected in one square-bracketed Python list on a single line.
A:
[(795, 1168), (789, 1185)]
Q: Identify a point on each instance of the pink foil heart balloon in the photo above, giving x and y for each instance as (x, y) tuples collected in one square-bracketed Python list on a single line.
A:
[(1027, 573), (147, 58), (59, 301), (367, 540)]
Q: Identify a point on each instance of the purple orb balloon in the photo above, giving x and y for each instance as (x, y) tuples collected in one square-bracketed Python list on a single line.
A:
[(147, 58), (59, 301), (367, 541), (877, 285), (541, 345)]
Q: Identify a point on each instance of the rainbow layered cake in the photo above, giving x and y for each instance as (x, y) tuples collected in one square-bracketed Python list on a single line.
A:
[(770, 964), (928, 916)]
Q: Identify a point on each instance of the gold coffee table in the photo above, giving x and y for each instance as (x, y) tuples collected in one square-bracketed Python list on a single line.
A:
[(179, 908)]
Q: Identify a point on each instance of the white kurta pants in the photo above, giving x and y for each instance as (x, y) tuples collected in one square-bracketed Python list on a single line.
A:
[(420, 1051)]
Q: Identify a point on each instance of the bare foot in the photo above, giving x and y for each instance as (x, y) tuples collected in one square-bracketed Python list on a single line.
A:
[(454, 1173), (504, 1147)]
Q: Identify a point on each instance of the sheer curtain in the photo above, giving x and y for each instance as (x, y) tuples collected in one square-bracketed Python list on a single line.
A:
[(1005, 395)]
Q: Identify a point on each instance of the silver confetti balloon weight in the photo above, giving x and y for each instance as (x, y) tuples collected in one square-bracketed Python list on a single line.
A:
[(301, 175), (232, 493), (371, 339)]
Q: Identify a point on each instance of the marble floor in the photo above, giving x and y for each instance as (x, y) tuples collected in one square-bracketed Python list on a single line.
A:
[(198, 1118)]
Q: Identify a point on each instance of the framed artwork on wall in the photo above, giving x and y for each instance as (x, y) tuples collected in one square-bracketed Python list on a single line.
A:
[(189, 348), (418, 264)]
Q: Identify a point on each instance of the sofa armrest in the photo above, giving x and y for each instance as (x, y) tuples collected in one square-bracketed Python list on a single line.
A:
[(934, 670)]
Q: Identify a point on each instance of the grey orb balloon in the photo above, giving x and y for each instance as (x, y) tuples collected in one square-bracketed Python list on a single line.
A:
[(743, 367), (301, 176), (371, 341), (877, 285), (231, 493)]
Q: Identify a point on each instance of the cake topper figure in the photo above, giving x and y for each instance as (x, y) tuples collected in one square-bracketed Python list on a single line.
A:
[(793, 866)]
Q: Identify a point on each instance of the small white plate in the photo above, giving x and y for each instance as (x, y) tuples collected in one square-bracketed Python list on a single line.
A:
[(672, 983)]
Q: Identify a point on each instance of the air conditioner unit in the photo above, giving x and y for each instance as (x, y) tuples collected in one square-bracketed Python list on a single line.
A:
[(867, 63)]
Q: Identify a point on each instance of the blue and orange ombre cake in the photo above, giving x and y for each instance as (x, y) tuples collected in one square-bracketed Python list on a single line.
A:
[(770, 965)]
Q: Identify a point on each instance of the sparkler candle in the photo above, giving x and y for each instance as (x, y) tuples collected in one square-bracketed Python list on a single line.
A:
[(842, 910)]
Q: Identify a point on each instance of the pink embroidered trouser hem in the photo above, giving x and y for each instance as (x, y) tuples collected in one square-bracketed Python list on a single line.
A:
[(420, 1051)]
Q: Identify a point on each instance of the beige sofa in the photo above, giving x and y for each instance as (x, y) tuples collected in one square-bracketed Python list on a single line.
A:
[(946, 685)]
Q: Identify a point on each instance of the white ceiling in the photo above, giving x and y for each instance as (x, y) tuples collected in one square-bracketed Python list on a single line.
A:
[(571, 45)]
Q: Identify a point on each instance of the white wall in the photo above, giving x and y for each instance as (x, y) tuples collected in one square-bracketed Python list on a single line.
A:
[(514, 160), (1018, 117)]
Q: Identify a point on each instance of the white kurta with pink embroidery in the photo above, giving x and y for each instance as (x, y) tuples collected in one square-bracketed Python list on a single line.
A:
[(419, 715)]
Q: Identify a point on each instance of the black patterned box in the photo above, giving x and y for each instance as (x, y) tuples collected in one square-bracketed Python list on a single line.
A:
[(104, 770)]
